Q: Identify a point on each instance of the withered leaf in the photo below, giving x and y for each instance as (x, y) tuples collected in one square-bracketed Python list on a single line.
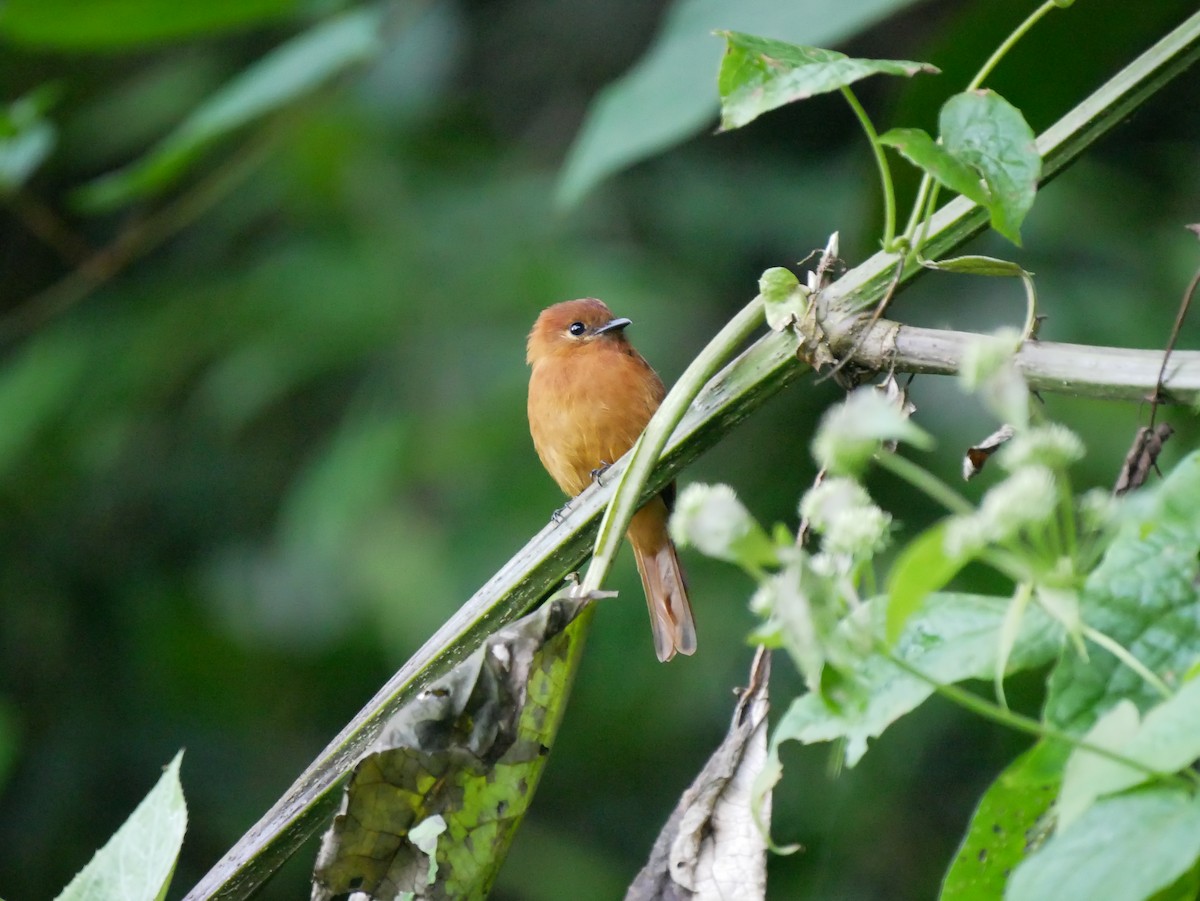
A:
[(711, 847), (430, 810), (1142, 456), (976, 457)]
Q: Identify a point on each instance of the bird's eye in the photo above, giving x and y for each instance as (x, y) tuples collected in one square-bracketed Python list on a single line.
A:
[(577, 328)]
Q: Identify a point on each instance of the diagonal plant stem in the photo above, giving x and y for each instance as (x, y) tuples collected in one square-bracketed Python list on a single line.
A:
[(640, 462), (733, 394)]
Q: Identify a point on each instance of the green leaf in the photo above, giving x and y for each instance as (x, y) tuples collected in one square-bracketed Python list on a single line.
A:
[(990, 135), (926, 154), (668, 95), (973, 264), (1166, 740), (785, 300), (921, 568), (118, 24), (1144, 596), (26, 138), (137, 862), (289, 72), (759, 75), (1003, 825), (1123, 849), (951, 638), (432, 808)]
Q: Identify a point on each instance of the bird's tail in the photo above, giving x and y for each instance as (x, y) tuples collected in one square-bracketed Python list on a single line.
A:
[(662, 578)]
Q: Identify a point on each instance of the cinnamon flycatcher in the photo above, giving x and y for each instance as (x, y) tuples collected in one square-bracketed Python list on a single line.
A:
[(590, 396)]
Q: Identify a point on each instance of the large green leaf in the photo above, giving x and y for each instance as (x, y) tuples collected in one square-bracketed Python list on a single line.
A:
[(670, 94), (1005, 825), (989, 134), (287, 73), (925, 153), (118, 24), (1167, 741), (921, 568), (759, 75), (1144, 596), (137, 862), (953, 637), (1124, 849)]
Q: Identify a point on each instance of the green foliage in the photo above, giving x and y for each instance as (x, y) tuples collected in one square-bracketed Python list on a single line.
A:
[(26, 139), (1010, 822), (280, 78), (759, 75), (986, 150), (927, 154), (1125, 848), (137, 862), (1143, 596), (668, 96), (263, 427), (951, 640), (118, 24), (922, 568), (869, 662), (991, 136)]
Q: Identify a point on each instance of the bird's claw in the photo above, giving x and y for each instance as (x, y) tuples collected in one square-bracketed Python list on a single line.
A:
[(561, 513), (599, 471)]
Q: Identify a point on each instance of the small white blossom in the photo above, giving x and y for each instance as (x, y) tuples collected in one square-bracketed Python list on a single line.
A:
[(1027, 497), (834, 497), (965, 536), (762, 602), (859, 536), (1097, 510), (853, 430), (849, 522), (713, 520)]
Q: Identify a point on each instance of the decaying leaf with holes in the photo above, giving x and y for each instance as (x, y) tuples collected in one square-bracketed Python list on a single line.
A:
[(431, 809)]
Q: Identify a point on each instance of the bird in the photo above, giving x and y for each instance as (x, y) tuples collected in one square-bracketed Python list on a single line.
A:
[(590, 396)]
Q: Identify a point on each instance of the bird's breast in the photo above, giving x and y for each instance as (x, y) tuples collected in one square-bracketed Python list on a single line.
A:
[(587, 409)]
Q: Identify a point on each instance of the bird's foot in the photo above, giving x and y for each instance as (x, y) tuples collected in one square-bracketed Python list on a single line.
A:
[(599, 471), (561, 513)]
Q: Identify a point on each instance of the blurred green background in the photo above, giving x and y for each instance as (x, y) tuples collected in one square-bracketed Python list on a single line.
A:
[(247, 471)]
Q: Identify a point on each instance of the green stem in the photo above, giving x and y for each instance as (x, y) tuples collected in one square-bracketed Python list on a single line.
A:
[(1006, 717), (885, 175), (642, 459), (1066, 505), (918, 207), (1012, 623), (1002, 50), (923, 480)]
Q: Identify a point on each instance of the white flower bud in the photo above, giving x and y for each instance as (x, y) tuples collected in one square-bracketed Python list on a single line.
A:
[(853, 430)]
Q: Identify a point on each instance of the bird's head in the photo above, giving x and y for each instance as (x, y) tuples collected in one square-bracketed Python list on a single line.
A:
[(569, 326)]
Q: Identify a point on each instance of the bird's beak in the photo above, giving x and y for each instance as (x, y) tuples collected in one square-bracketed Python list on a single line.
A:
[(613, 325)]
